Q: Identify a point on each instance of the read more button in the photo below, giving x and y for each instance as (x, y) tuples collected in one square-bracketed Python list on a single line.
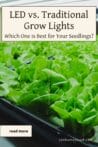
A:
[(16, 131)]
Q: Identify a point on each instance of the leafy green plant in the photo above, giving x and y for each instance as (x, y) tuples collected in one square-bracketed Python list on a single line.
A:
[(58, 80)]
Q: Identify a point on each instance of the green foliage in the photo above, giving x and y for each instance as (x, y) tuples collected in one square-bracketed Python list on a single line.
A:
[(58, 80)]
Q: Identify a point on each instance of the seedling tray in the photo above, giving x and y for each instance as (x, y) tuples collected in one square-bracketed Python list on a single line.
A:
[(43, 129)]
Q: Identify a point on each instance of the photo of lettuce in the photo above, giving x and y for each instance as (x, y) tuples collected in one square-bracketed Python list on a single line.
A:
[(54, 80)]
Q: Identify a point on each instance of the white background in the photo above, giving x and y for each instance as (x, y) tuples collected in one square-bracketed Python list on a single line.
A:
[(16, 26), (48, 2)]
